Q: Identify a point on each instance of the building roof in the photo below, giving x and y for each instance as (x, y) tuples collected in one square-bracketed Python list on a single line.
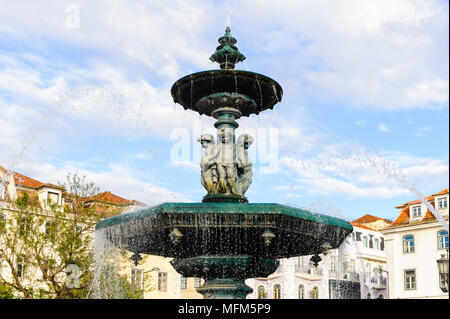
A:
[(404, 216), (362, 226), (416, 201), (370, 219), (110, 198), (105, 197), (442, 192)]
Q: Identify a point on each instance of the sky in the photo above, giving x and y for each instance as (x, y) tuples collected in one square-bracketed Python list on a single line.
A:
[(362, 127)]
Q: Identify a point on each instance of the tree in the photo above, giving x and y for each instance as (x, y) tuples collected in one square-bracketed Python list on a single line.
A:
[(49, 249)]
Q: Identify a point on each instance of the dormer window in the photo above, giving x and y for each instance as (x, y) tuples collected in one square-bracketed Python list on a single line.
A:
[(417, 211), (442, 203)]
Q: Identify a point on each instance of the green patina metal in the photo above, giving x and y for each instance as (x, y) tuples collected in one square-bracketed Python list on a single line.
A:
[(225, 239), (226, 208), (227, 54), (189, 90)]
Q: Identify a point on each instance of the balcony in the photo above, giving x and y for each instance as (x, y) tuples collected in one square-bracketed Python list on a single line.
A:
[(309, 270), (377, 282), (348, 275)]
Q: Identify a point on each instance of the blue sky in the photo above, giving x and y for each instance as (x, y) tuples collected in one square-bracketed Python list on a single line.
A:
[(85, 87)]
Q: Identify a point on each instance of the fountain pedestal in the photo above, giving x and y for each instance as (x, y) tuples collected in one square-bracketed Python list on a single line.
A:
[(225, 275)]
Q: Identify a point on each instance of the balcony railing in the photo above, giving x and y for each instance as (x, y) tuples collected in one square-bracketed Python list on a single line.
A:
[(348, 275), (309, 270), (377, 282)]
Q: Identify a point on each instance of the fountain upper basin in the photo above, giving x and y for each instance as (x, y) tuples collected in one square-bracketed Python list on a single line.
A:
[(245, 85)]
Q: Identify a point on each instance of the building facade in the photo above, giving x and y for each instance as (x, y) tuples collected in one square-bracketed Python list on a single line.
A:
[(414, 241), (357, 269)]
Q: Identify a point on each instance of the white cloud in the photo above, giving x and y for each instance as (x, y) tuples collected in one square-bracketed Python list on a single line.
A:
[(364, 174), (383, 127)]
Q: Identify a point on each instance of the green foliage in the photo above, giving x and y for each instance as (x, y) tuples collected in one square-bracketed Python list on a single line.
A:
[(6, 292), (112, 285), (47, 240)]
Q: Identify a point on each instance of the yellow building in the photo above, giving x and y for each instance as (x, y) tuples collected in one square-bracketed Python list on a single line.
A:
[(154, 274)]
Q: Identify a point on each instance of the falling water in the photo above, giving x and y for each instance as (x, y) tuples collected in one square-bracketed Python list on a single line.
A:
[(260, 93), (192, 94), (275, 92)]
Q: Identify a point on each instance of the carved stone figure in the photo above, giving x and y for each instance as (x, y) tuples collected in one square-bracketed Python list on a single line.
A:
[(243, 164), (226, 165), (208, 163)]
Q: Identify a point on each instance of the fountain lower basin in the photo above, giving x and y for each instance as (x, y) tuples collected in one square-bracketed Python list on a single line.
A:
[(225, 243)]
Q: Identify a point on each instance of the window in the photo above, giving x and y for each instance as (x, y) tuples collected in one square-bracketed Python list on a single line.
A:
[(417, 211), (197, 282), (183, 282), (301, 292), (442, 202), (377, 243), (408, 244), (315, 293), (365, 241), (49, 228), (368, 270), (162, 281), (137, 278), (410, 279), (352, 266), (442, 237), (25, 226), (261, 292), (333, 264), (277, 291), (20, 267)]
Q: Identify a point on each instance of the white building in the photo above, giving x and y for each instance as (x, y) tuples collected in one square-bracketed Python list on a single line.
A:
[(414, 241), (350, 272)]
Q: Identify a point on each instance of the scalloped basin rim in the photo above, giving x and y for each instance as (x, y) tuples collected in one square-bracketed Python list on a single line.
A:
[(195, 74), (224, 208)]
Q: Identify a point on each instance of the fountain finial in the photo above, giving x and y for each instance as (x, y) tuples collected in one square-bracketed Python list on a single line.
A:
[(227, 54)]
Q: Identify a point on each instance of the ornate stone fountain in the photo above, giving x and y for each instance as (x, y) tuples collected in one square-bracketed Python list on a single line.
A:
[(225, 239)]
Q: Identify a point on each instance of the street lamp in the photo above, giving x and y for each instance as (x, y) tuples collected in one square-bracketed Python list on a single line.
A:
[(442, 264)]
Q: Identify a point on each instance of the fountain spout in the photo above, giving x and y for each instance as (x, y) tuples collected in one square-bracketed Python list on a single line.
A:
[(227, 54)]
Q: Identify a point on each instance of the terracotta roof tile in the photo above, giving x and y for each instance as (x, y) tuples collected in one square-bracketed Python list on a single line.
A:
[(442, 192), (361, 226), (370, 219), (416, 201), (26, 181), (402, 218), (108, 197)]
